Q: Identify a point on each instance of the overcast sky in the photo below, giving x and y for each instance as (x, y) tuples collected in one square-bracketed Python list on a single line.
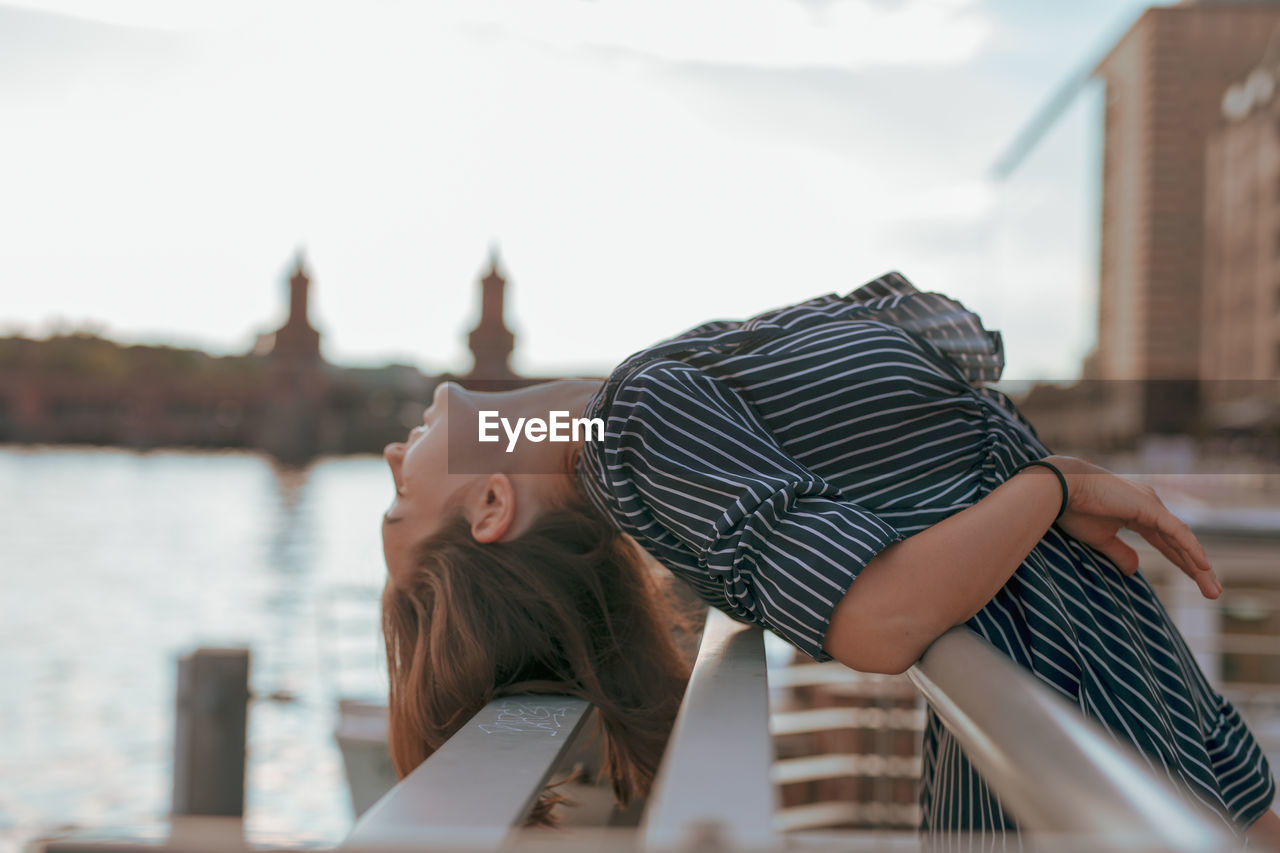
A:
[(644, 165)]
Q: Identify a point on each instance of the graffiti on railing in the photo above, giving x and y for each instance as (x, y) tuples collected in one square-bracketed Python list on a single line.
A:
[(516, 716)]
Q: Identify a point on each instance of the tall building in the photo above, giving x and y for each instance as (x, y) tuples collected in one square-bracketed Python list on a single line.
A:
[(298, 382), (1164, 83), (297, 340), (491, 341), (1240, 337)]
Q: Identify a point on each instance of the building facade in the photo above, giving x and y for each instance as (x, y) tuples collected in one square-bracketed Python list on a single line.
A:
[(491, 341), (1162, 328), (1240, 337), (1164, 83)]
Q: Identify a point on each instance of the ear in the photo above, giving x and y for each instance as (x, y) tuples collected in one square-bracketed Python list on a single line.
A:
[(493, 509)]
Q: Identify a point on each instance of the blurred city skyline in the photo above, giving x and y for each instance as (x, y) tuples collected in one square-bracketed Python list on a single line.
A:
[(642, 166)]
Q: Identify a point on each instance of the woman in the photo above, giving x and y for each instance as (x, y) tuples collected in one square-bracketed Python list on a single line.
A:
[(832, 471)]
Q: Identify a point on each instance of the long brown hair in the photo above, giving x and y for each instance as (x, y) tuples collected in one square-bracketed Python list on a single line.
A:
[(569, 607)]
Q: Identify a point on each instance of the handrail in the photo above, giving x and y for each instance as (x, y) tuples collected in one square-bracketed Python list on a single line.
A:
[(1055, 770), (481, 783), (713, 785)]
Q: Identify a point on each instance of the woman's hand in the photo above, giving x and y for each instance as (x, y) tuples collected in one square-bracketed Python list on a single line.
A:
[(1101, 503)]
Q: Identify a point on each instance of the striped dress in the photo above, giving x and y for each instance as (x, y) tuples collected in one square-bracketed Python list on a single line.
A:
[(766, 462)]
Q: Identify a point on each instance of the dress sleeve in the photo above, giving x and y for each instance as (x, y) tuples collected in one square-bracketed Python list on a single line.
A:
[(778, 545)]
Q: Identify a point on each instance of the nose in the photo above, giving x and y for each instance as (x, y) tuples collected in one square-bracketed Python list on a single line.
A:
[(394, 455), (439, 402), (441, 394)]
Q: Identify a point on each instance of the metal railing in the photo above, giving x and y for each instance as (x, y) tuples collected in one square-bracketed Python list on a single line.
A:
[(714, 781), (1056, 771), (1059, 774), (481, 783)]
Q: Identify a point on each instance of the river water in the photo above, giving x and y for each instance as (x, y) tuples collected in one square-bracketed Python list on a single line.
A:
[(113, 564)]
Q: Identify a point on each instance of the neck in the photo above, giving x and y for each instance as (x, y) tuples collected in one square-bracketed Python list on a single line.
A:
[(570, 394), (564, 395)]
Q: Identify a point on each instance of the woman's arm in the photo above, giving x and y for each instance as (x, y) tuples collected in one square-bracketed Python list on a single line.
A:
[(914, 590), (1265, 832)]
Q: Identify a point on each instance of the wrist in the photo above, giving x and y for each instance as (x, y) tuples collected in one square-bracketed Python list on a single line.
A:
[(1049, 469), (1073, 473)]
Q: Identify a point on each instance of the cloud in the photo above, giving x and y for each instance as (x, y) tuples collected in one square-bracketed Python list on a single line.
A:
[(151, 14), (848, 34), (714, 175)]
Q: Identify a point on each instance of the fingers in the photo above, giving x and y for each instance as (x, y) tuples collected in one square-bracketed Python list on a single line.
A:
[(1178, 537), (1178, 554), (1174, 551), (1207, 580), (1173, 538)]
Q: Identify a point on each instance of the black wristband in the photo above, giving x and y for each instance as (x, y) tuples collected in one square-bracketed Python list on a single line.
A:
[(1062, 481)]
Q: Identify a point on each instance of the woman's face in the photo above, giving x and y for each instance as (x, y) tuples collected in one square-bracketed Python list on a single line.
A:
[(442, 462), (424, 487)]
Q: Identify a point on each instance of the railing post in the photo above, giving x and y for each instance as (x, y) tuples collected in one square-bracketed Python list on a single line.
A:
[(210, 729)]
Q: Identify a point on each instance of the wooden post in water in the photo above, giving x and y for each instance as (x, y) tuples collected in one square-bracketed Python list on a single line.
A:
[(209, 732)]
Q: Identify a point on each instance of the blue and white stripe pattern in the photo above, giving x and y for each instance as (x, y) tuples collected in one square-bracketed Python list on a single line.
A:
[(766, 462)]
